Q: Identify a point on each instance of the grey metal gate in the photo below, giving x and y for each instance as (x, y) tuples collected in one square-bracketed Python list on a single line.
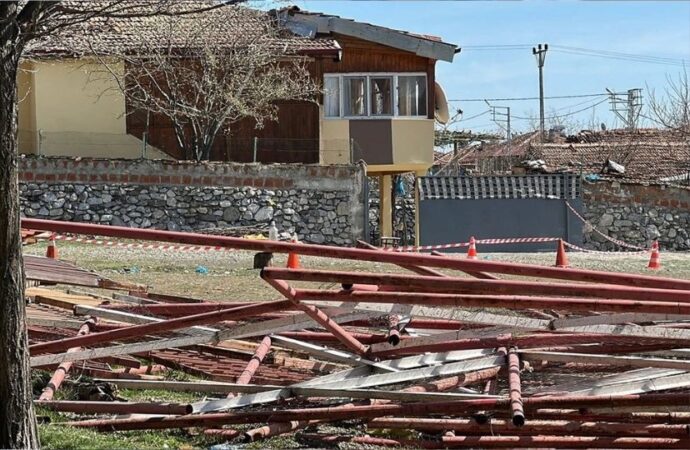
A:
[(512, 206)]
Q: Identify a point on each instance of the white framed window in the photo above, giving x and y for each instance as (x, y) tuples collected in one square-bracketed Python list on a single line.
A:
[(331, 96), (375, 95), (412, 95), (381, 97), (355, 96)]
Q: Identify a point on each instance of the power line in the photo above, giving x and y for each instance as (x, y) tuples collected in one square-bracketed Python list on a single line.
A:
[(473, 117), (566, 115), (509, 99), (581, 51)]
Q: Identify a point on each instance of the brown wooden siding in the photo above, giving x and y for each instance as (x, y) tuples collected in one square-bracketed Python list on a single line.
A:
[(294, 137)]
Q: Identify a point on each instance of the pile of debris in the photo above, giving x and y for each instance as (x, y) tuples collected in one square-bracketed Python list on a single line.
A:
[(459, 352)]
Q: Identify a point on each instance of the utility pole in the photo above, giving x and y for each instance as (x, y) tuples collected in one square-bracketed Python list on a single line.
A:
[(626, 106), (501, 115), (539, 52)]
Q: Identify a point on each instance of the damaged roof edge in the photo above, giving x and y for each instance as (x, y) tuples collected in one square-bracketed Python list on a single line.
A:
[(311, 24)]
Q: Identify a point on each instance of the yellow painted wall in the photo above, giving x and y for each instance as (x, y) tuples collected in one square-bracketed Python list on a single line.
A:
[(75, 108), (334, 141), (27, 109), (413, 142)]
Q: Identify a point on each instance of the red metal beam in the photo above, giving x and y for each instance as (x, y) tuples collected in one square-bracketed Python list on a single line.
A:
[(82, 407), (138, 331), (409, 409), (529, 270), (536, 340), (62, 370), (449, 285), (500, 426), (515, 388), (508, 442), (253, 364), (320, 317), (519, 302)]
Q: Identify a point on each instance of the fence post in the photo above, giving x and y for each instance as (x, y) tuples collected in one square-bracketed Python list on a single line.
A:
[(256, 147), (40, 142), (352, 150)]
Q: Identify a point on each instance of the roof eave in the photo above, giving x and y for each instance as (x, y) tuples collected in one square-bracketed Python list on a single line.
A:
[(420, 46)]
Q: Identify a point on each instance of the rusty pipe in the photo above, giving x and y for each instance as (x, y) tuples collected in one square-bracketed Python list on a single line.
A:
[(64, 367), (253, 364), (515, 388)]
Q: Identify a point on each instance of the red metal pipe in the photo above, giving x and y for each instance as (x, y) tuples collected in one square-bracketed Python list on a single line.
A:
[(499, 426), (480, 275), (364, 338), (418, 283), (408, 409), (529, 270), (159, 327), (319, 317), (82, 407), (515, 388), (253, 364), (62, 370), (275, 429), (496, 301), (507, 442), (224, 432), (536, 340)]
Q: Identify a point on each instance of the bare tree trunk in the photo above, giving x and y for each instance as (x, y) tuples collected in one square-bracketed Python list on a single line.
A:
[(17, 419)]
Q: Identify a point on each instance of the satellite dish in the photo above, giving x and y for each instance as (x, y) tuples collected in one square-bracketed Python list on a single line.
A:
[(441, 114)]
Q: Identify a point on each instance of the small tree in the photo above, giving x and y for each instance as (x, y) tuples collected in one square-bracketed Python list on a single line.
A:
[(672, 108), (203, 75), (23, 24)]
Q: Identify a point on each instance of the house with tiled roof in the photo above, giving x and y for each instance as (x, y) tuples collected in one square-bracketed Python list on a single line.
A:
[(378, 105), (647, 155)]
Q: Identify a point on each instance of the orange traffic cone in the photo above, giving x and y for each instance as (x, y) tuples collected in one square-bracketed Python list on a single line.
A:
[(472, 251), (561, 256), (293, 258), (52, 251), (654, 261)]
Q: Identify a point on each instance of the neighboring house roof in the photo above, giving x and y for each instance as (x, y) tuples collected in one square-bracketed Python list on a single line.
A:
[(647, 155), (314, 24), (126, 34)]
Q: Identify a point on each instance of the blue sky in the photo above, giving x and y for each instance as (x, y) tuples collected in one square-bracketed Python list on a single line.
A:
[(660, 28)]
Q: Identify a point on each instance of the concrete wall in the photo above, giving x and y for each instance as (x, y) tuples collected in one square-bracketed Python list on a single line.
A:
[(321, 204), (636, 214)]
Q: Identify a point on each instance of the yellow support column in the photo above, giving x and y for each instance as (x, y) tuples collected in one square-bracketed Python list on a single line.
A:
[(419, 173), (385, 205)]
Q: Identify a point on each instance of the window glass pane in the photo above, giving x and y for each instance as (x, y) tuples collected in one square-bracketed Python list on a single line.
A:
[(381, 96), (412, 95), (331, 96), (355, 96)]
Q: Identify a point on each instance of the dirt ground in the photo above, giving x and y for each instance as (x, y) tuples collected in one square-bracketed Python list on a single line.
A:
[(228, 275)]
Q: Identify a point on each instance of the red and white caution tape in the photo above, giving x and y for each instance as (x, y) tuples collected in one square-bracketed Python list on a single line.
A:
[(135, 245), (605, 236), (422, 248), (599, 252)]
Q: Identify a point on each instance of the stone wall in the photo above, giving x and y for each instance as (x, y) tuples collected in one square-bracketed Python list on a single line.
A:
[(637, 214), (322, 204)]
